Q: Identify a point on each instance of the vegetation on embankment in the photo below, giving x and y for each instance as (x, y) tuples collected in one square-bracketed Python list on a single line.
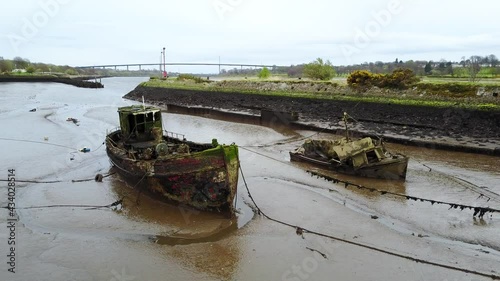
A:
[(415, 120), (453, 95)]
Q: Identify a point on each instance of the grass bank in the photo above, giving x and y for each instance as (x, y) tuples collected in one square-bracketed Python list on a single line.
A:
[(447, 95)]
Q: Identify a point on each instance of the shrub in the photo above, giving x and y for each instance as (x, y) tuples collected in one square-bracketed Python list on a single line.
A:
[(401, 78), (363, 79), (264, 73), (319, 70), (70, 72), (196, 79), (30, 69)]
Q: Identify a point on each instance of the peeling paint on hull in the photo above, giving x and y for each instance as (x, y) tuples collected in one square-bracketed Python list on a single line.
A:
[(393, 169), (362, 157), (205, 179)]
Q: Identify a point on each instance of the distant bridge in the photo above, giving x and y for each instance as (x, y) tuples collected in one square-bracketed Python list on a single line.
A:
[(140, 65)]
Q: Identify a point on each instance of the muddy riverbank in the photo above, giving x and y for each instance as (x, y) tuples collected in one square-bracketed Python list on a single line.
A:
[(58, 237), (435, 127), (80, 82)]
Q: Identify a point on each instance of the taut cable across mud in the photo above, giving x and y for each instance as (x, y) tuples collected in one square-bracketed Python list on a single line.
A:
[(59, 181), (88, 207), (300, 231), (481, 211)]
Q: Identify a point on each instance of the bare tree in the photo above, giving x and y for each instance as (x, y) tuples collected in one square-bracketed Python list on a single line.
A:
[(20, 63), (493, 60), (474, 66)]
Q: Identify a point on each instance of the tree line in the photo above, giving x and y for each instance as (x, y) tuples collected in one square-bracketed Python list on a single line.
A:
[(473, 68), (19, 64), (443, 67), (23, 65)]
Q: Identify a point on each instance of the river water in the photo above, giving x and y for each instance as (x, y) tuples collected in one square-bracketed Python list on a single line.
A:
[(151, 240)]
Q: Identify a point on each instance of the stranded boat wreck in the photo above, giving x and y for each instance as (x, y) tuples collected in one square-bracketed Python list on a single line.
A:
[(204, 176), (362, 157)]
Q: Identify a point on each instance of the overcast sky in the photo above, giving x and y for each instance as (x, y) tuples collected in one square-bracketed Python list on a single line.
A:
[(275, 32)]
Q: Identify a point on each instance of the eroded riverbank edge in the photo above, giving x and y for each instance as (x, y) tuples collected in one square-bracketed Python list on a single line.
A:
[(455, 129), (81, 82)]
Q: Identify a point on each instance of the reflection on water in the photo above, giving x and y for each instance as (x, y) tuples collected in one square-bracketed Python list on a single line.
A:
[(193, 229), (220, 260), (188, 225), (394, 186)]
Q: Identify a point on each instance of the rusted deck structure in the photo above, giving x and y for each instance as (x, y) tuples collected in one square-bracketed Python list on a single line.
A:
[(202, 175)]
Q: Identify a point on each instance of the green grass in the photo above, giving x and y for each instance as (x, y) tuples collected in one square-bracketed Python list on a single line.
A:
[(36, 74), (435, 100), (481, 82)]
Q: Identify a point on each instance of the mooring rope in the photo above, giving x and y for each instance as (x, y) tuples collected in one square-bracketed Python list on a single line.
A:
[(481, 211), (95, 178), (137, 199), (472, 187), (59, 181), (92, 151), (39, 142), (32, 181), (291, 140), (74, 150), (114, 204), (488, 194), (300, 230)]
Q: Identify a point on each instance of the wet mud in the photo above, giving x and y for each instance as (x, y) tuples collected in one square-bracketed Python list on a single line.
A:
[(146, 239)]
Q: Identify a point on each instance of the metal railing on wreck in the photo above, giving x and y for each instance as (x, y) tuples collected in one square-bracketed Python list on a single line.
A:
[(168, 134)]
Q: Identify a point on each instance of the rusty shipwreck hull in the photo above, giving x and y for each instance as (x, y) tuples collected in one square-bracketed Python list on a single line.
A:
[(205, 179), (361, 157), (391, 169)]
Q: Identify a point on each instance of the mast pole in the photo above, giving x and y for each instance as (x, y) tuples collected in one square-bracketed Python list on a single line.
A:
[(346, 129)]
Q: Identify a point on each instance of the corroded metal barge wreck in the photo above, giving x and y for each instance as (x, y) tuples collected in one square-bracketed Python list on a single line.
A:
[(359, 157), (201, 175), (362, 157)]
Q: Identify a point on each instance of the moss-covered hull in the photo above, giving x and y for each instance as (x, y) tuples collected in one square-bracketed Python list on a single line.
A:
[(206, 177)]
